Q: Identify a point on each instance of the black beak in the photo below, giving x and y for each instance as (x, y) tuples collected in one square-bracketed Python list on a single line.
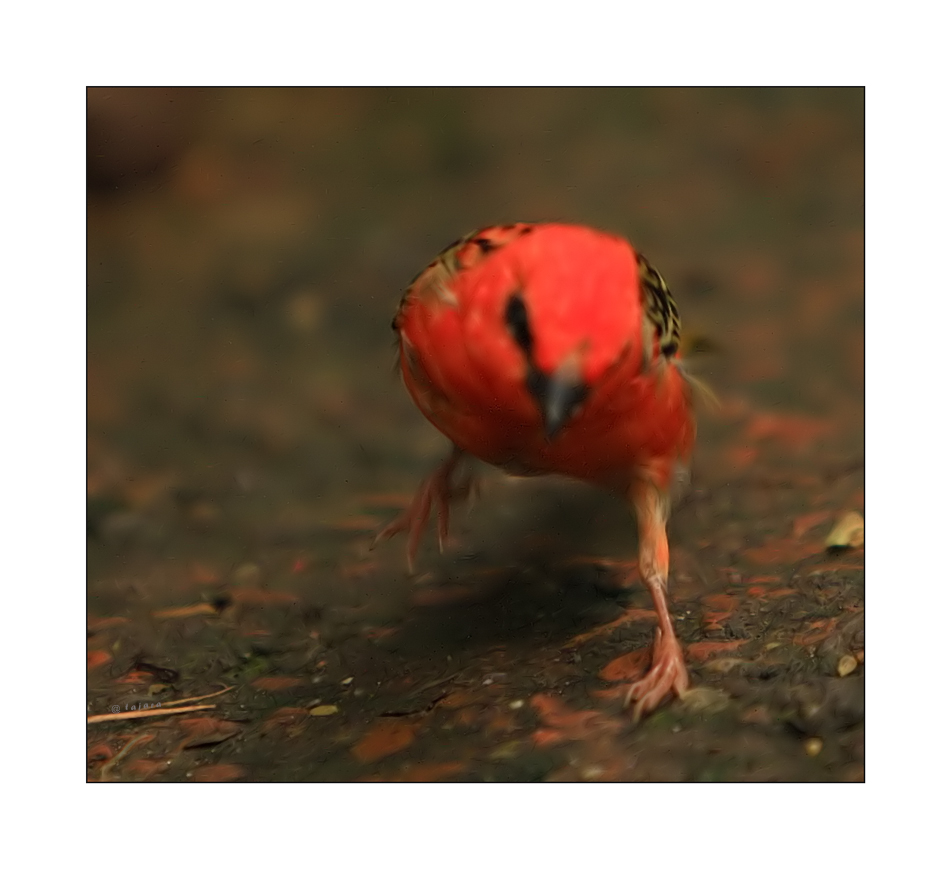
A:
[(559, 396)]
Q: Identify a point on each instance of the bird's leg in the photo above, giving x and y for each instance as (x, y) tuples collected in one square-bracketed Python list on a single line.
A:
[(668, 672), (439, 488)]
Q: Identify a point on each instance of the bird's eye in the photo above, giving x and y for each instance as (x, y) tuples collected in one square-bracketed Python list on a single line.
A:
[(517, 319)]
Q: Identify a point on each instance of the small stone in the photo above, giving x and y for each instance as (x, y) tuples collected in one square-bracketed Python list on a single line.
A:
[(517, 705), (813, 747), (847, 664), (347, 681), (325, 710), (848, 532)]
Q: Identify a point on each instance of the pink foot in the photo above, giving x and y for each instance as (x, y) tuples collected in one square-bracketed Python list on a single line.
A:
[(667, 674), (438, 488)]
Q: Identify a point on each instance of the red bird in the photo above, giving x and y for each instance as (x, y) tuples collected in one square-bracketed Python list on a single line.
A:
[(553, 349)]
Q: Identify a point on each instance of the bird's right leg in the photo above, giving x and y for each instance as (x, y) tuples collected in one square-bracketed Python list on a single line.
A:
[(667, 673)]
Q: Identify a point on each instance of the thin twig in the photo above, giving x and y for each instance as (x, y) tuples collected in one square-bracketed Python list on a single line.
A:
[(142, 714), (196, 698)]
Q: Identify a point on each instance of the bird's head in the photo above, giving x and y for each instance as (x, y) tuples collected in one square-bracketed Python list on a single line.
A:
[(573, 313)]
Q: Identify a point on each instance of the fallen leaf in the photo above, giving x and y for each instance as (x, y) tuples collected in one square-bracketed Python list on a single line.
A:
[(630, 666), (803, 524), (720, 601), (848, 531), (428, 772), (276, 684), (94, 624), (143, 768), (564, 723), (201, 609), (779, 593), (284, 717), (385, 738), (706, 649), (818, 631), (218, 773), (96, 658), (784, 550), (206, 730)]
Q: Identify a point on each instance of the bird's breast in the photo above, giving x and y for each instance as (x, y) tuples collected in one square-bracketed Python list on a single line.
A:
[(628, 421)]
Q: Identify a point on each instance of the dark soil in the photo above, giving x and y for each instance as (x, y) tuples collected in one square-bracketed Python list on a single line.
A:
[(247, 434)]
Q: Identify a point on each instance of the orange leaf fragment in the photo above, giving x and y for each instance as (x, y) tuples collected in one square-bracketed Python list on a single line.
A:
[(802, 525), (201, 609), (276, 684), (385, 738), (721, 602), (704, 650), (563, 723), (96, 658), (630, 666), (143, 768), (430, 772), (94, 624), (218, 773), (205, 730), (818, 631)]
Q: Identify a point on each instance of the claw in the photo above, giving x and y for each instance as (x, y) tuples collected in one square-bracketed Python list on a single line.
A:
[(438, 487), (667, 674)]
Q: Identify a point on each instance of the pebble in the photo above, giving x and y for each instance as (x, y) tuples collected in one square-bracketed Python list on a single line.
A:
[(325, 710), (848, 531), (813, 747), (847, 664)]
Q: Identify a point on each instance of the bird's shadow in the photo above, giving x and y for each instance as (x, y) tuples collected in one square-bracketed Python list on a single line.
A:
[(533, 561)]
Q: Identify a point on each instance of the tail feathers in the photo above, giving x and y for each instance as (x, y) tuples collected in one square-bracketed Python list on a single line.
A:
[(699, 388)]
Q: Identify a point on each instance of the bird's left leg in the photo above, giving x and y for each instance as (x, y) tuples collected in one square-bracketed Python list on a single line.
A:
[(439, 488), (668, 672)]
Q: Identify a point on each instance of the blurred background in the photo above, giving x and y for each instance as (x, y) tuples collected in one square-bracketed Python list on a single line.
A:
[(247, 249)]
